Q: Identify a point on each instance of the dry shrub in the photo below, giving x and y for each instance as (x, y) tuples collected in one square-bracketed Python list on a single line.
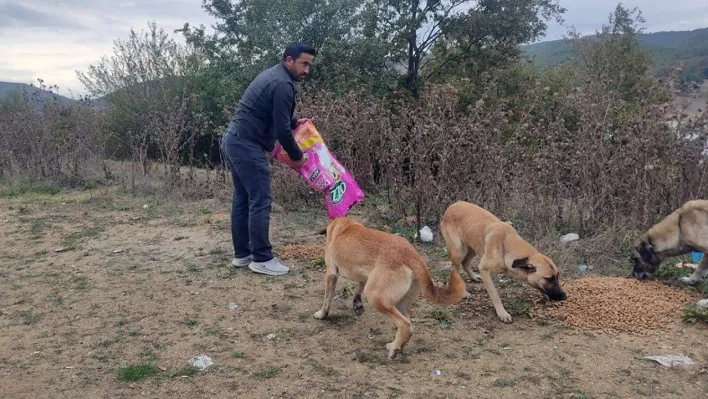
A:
[(580, 159), (47, 139), (549, 157)]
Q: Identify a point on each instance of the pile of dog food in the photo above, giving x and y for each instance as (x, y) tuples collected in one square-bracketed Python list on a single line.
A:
[(612, 304), (307, 252)]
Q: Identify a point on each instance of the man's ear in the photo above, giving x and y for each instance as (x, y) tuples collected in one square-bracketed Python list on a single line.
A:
[(523, 264)]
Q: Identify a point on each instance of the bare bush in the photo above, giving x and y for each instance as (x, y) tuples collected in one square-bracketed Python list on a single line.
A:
[(579, 159), (155, 112), (50, 139)]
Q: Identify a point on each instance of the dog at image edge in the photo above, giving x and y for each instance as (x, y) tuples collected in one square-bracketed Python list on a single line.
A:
[(681, 232), (470, 231), (390, 272)]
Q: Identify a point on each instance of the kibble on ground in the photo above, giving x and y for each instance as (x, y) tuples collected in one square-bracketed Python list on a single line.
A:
[(615, 304), (307, 252)]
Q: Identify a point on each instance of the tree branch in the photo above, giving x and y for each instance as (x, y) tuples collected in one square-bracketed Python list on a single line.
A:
[(453, 58)]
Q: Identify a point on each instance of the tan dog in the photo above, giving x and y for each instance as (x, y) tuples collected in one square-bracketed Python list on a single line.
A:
[(683, 231), (469, 231), (390, 273)]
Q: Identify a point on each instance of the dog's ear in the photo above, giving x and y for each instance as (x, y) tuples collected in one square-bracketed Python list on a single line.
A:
[(523, 263), (646, 251)]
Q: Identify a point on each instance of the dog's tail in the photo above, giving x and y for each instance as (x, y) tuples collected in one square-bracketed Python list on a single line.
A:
[(448, 294)]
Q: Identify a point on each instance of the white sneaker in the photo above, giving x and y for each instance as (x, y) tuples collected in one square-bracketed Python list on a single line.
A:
[(242, 262), (272, 267)]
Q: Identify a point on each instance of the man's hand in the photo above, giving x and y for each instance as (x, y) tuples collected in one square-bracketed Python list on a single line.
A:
[(301, 121), (301, 162)]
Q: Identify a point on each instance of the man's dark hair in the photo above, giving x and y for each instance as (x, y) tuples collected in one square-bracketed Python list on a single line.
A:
[(294, 50)]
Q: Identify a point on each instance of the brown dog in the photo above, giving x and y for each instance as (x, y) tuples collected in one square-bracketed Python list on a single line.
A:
[(469, 230), (390, 272), (683, 231)]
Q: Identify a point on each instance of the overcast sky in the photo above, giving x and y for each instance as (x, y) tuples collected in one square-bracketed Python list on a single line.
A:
[(51, 39)]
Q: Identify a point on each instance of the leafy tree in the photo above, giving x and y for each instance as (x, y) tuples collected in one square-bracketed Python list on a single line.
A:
[(367, 43), (252, 34), (488, 36), (614, 56)]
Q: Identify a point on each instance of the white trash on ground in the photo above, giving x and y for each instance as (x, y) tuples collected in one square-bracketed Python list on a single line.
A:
[(671, 360), (584, 267), (201, 362), (569, 238), (702, 304), (426, 235)]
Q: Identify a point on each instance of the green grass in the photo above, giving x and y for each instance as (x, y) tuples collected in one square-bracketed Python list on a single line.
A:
[(240, 355), (16, 190), (520, 308), (29, 318), (443, 318), (693, 314), (319, 263), (137, 372), (217, 251), (268, 372), (82, 283), (323, 370), (407, 232), (668, 271), (504, 383), (38, 227)]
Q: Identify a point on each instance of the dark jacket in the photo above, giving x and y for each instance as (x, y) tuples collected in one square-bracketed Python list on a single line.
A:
[(265, 112)]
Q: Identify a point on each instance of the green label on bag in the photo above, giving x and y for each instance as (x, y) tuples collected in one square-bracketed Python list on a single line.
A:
[(336, 194)]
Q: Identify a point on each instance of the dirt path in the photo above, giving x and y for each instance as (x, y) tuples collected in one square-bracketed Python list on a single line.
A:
[(136, 284)]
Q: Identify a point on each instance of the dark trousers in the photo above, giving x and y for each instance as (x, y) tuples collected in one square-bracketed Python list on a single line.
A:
[(250, 208)]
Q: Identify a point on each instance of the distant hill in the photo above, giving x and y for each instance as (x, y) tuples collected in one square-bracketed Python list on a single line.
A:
[(6, 88), (667, 49)]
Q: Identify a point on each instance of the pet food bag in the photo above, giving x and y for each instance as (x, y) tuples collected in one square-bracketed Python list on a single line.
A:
[(322, 171)]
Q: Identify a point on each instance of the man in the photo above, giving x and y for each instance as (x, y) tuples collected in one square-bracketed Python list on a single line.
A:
[(264, 115)]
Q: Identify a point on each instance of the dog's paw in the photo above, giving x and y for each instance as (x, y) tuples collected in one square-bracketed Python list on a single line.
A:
[(320, 314), (475, 277), (688, 280), (504, 316), (358, 309), (358, 305), (468, 295), (392, 352)]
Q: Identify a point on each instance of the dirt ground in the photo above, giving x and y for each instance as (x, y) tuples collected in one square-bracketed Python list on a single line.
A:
[(148, 281)]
